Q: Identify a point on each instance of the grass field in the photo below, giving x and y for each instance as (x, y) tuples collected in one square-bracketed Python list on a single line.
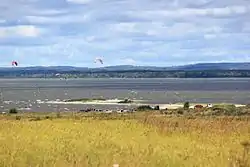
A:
[(132, 140)]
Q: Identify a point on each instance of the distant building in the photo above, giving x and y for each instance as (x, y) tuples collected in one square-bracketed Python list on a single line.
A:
[(209, 105), (198, 106)]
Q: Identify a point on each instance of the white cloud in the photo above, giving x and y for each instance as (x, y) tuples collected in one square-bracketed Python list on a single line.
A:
[(214, 29), (180, 29), (134, 32), (210, 36), (124, 27), (90, 38), (28, 31), (79, 1), (128, 61), (187, 12), (49, 12), (22, 30), (163, 30), (246, 27), (214, 52), (65, 19)]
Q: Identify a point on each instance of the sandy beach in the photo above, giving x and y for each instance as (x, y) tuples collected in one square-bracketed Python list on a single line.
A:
[(134, 103)]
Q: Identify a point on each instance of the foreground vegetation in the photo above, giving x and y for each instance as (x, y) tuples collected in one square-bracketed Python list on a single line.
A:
[(203, 110), (134, 139)]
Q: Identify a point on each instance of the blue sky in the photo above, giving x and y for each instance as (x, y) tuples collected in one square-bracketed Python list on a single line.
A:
[(133, 32)]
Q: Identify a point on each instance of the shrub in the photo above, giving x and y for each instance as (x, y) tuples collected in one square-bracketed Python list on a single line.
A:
[(186, 105), (35, 119), (48, 117), (144, 107), (13, 111), (157, 108), (18, 117), (226, 109), (126, 101), (180, 111)]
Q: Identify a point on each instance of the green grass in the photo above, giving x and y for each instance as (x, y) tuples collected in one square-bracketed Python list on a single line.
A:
[(142, 139)]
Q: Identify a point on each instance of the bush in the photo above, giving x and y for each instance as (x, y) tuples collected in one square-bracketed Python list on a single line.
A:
[(143, 108), (180, 111), (157, 108), (186, 105), (126, 101), (48, 117), (248, 106), (226, 109), (13, 111), (18, 117), (35, 119)]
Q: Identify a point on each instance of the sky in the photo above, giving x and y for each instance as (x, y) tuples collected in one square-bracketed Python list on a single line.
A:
[(123, 32)]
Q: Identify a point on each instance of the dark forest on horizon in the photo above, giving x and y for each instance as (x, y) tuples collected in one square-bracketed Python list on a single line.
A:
[(126, 74)]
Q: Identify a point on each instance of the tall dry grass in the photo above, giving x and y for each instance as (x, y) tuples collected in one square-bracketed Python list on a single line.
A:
[(137, 140)]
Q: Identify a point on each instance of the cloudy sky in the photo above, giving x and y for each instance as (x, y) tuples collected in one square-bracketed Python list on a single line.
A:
[(133, 32)]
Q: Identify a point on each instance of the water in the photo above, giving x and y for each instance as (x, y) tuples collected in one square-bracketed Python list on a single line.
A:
[(24, 93)]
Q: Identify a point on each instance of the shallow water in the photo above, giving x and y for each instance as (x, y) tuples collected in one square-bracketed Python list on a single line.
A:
[(24, 93)]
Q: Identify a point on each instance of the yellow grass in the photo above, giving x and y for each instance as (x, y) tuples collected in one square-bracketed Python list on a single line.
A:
[(148, 141)]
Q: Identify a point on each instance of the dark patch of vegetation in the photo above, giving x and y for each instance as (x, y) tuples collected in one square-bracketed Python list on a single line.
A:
[(129, 73), (147, 108), (36, 119), (227, 109), (18, 117), (186, 106), (48, 117), (157, 107), (13, 111), (144, 108), (126, 101), (180, 111)]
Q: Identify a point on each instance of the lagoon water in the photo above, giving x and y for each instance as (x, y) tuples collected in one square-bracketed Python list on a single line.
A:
[(26, 93)]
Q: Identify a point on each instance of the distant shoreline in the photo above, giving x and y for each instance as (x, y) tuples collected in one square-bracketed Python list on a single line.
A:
[(134, 103), (98, 101), (193, 71), (116, 78)]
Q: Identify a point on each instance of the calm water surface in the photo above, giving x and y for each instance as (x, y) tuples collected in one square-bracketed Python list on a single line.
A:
[(24, 93)]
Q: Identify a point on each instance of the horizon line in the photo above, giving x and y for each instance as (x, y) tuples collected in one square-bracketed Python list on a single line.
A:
[(44, 66)]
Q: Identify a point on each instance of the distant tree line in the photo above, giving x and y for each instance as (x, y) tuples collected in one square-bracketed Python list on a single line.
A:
[(126, 74)]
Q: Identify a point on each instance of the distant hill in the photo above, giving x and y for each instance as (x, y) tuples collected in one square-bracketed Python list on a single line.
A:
[(129, 71), (215, 66)]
